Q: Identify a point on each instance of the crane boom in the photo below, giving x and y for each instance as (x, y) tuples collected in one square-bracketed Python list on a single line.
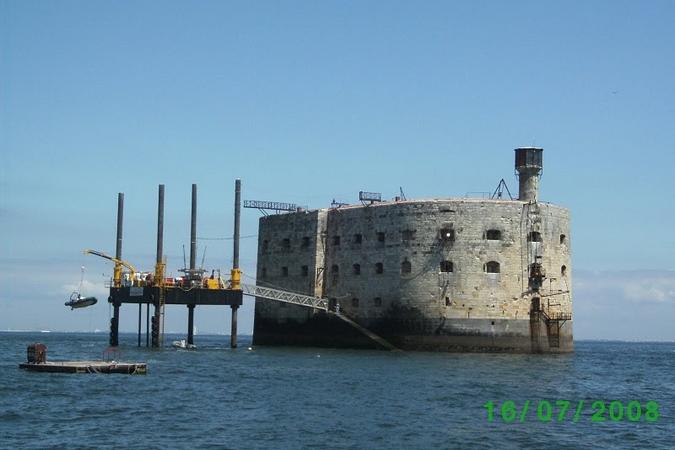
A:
[(117, 277)]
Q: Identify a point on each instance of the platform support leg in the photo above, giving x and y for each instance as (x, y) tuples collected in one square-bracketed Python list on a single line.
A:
[(114, 326), (233, 331), (155, 328), (147, 325), (191, 324), (140, 315)]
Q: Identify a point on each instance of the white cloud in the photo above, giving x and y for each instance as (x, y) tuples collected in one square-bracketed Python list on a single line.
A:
[(651, 289), (639, 286), (624, 305)]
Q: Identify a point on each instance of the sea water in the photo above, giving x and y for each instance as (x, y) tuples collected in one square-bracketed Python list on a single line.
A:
[(282, 397)]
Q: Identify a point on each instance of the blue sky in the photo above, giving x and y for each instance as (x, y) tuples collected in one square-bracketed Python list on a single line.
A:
[(310, 101)]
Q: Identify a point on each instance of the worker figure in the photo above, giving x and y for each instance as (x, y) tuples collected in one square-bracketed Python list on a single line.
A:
[(212, 274), (337, 308)]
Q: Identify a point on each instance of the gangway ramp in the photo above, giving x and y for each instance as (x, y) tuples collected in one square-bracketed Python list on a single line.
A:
[(311, 302), (285, 296)]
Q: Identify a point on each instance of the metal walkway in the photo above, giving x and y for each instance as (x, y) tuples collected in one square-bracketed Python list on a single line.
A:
[(285, 296), (311, 302)]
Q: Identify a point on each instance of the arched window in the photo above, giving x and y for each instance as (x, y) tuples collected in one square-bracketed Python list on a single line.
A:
[(305, 242), (534, 236), (446, 266), (355, 302), (357, 269), (377, 301), (286, 243), (265, 245), (492, 267), (336, 240), (563, 239), (406, 267), (493, 235), (379, 268), (563, 270)]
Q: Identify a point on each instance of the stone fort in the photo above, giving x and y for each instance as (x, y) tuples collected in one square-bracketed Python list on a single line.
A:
[(447, 274)]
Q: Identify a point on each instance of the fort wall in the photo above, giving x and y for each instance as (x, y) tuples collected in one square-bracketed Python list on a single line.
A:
[(446, 274)]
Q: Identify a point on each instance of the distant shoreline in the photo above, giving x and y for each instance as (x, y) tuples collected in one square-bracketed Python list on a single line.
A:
[(133, 333)]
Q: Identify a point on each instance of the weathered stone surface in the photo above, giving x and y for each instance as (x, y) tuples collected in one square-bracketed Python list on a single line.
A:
[(416, 302)]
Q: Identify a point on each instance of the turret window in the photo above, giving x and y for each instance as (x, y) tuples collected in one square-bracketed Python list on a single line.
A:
[(379, 268), (563, 239), (492, 267), (406, 267), (355, 302), (447, 234), (493, 235), (563, 270), (446, 266), (534, 236)]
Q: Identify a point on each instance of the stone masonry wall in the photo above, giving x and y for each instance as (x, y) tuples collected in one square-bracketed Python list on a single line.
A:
[(428, 259)]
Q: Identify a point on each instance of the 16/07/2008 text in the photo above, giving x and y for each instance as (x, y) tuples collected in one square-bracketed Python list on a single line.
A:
[(559, 410)]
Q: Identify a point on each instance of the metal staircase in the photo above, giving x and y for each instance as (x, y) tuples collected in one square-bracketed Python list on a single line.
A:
[(554, 322)]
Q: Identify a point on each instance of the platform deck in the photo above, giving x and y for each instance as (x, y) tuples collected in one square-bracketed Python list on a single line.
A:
[(87, 367)]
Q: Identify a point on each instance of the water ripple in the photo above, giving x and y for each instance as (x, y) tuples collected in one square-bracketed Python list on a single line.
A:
[(291, 398)]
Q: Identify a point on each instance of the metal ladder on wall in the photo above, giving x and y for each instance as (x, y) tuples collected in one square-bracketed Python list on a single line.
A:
[(311, 302)]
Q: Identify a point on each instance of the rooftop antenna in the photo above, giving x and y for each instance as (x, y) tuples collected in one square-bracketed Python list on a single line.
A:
[(400, 188), (499, 192)]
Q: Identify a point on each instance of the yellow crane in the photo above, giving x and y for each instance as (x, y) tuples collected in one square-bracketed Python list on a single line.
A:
[(117, 271)]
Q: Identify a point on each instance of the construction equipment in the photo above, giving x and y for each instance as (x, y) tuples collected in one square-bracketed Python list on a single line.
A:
[(117, 271)]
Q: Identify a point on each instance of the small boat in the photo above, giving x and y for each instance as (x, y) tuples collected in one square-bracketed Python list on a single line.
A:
[(183, 344), (77, 301)]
